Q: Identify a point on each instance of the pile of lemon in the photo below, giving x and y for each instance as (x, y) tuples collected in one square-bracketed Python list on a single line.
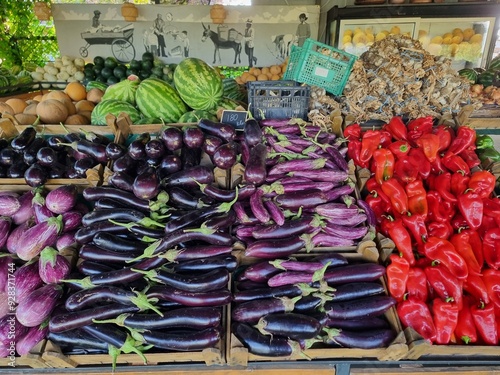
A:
[(359, 38), (464, 44)]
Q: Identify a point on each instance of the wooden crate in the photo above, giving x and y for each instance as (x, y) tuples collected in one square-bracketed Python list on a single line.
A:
[(487, 117), (31, 360)]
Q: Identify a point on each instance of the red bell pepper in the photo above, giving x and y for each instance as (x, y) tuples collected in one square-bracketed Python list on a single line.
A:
[(385, 138), (465, 138), (491, 280), (444, 283), (440, 229), (445, 134), (437, 210), (397, 128), (477, 245), (455, 163), (492, 208), (463, 247), (437, 166), (416, 314), (465, 330), (354, 152), (443, 186), (458, 222), (383, 159), (470, 157), (397, 276), (370, 140), (404, 171), (415, 223), (471, 207), (417, 198), (486, 325), (443, 251), (400, 149), (396, 193), (429, 143), (487, 224), (416, 285), (491, 248), (475, 286), (418, 127), (459, 183), (419, 161), (445, 320), (378, 205), (482, 183), (401, 238), (352, 131)]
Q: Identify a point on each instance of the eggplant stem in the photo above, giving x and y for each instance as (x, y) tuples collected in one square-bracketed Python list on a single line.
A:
[(287, 155), (202, 229), (325, 288), (148, 223), (148, 252), (318, 275), (296, 349), (144, 303), (119, 320), (163, 197), (306, 289), (289, 303), (148, 239), (48, 256), (331, 333), (151, 275), (85, 283), (125, 225), (226, 206), (130, 347), (171, 254), (277, 264)]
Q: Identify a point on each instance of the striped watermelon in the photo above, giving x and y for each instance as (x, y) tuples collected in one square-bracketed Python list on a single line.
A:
[(196, 115), (494, 64), (156, 98), (96, 85), (198, 84), (234, 90), (231, 104), (115, 107)]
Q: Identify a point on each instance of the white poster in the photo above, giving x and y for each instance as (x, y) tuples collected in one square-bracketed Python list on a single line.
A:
[(249, 36)]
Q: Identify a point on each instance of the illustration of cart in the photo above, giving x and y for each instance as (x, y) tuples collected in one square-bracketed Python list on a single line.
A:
[(120, 39)]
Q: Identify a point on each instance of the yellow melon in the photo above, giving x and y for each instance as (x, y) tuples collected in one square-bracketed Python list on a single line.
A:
[(17, 105), (76, 91), (52, 111)]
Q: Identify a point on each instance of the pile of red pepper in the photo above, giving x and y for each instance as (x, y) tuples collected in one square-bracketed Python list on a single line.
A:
[(431, 198)]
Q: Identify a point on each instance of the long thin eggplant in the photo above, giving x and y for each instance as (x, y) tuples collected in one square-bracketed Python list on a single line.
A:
[(199, 340), (218, 297), (344, 231), (88, 267), (218, 129), (252, 311), (126, 214), (361, 324), (359, 308), (86, 234), (96, 254), (111, 242), (361, 272), (293, 277), (276, 248), (304, 199), (323, 174), (96, 193), (304, 224), (252, 132), (190, 177), (259, 272), (350, 291), (255, 169), (204, 282), (228, 262), (76, 338), (289, 291), (292, 325), (368, 339)]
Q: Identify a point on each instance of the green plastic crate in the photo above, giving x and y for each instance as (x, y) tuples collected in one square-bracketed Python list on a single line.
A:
[(318, 64)]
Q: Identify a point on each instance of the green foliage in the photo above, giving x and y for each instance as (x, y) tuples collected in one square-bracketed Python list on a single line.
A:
[(232, 71)]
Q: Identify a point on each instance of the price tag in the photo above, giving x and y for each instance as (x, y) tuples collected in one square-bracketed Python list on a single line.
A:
[(235, 118)]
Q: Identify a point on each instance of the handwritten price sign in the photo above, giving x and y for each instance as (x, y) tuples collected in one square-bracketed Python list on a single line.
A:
[(235, 118)]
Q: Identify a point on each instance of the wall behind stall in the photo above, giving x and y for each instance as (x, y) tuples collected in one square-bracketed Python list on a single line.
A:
[(275, 31)]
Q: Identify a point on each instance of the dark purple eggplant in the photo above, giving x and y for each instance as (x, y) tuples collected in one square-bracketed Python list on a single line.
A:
[(350, 291), (86, 234), (115, 151), (250, 285), (146, 185), (304, 199), (225, 156), (105, 203), (276, 248), (305, 224), (169, 164), (38, 305), (95, 150), (111, 242), (122, 180), (81, 166), (193, 137), (96, 254), (172, 138), (224, 131), (276, 213), (87, 267), (35, 239), (125, 164), (289, 291), (362, 324), (334, 259), (264, 345), (53, 267), (105, 294), (182, 199), (96, 193), (311, 303), (218, 297), (255, 169), (35, 175), (32, 338), (76, 338), (203, 252), (252, 132), (55, 142), (8, 157), (190, 178), (368, 339), (61, 199), (189, 317), (6, 264), (95, 137), (259, 272), (24, 139), (123, 214), (371, 220), (198, 340), (363, 272), (17, 169), (198, 282), (137, 148), (155, 149), (252, 311), (228, 262), (257, 207), (359, 308), (292, 325), (211, 143), (76, 319), (190, 157)]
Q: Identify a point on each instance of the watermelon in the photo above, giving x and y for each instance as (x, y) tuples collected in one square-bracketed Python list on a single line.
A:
[(96, 85), (124, 90), (198, 84), (157, 99), (115, 107), (148, 121), (470, 74), (494, 64), (486, 79), (195, 115), (234, 90), (231, 104)]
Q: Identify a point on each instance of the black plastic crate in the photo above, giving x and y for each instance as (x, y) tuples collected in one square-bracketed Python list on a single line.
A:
[(278, 99)]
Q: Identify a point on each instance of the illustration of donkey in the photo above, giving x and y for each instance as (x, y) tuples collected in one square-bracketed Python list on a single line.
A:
[(234, 42)]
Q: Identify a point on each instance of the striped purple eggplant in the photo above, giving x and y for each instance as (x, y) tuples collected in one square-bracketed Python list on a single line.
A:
[(32, 241), (25, 212), (297, 165), (5, 225), (62, 199), (53, 267), (9, 203), (32, 338), (27, 280), (38, 305), (344, 231), (324, 174)]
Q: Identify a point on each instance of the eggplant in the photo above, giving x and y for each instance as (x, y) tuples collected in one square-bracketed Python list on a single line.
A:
[(354, 290), (17, 169), (252, 132), (250, 285), (190, 178), (9, 204), (371, 219), (38, 305), (359, 308), (66, 239), (76, 319), (105, 294), (361, 272), (155, 149), (242, 216), (204, 282), (27, 280), (225, 156), (189, 317), (169, 164), (221, 130), (311, 303), (368, 339), (323, 174), (125, 164), (172, 138), (32, 338), (275, 212), (292, 325), (305, 199), (115, 151), (81, 166), (182, 199), (289, 291), (24, 139), (111, 242), (346, 232), (8, 157), (53, 267), (87, 268), (122, 214), (276, 248), (25, 211), (5, 226), (6, 263), (259, 272), (40, 210), (257, 207), (15, 234), (95, 150), (190, 157), (35, 175), (255, 169), (76, 338), (137, 148), (304, 224), (61, 199), (105, 203), (252, 311), (218, 297), (228, 262), (293, 277), (264, 345), (211, 143), (322, 239), (11, 329), (96, 193), (96, 254), (362, 324), (193, 137), (207, 338), (146, 185), (94, 137), (35, 239), (72, 220)]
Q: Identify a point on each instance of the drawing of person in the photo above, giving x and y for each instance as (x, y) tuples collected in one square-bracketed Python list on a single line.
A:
[(303, 30), (96, 23), (150, 41), (158, 27), (249, 43), (185, 42)]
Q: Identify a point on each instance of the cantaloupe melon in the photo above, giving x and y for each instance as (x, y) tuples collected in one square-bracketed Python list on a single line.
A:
[(76, 91), (17, 105), (52, 111)]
